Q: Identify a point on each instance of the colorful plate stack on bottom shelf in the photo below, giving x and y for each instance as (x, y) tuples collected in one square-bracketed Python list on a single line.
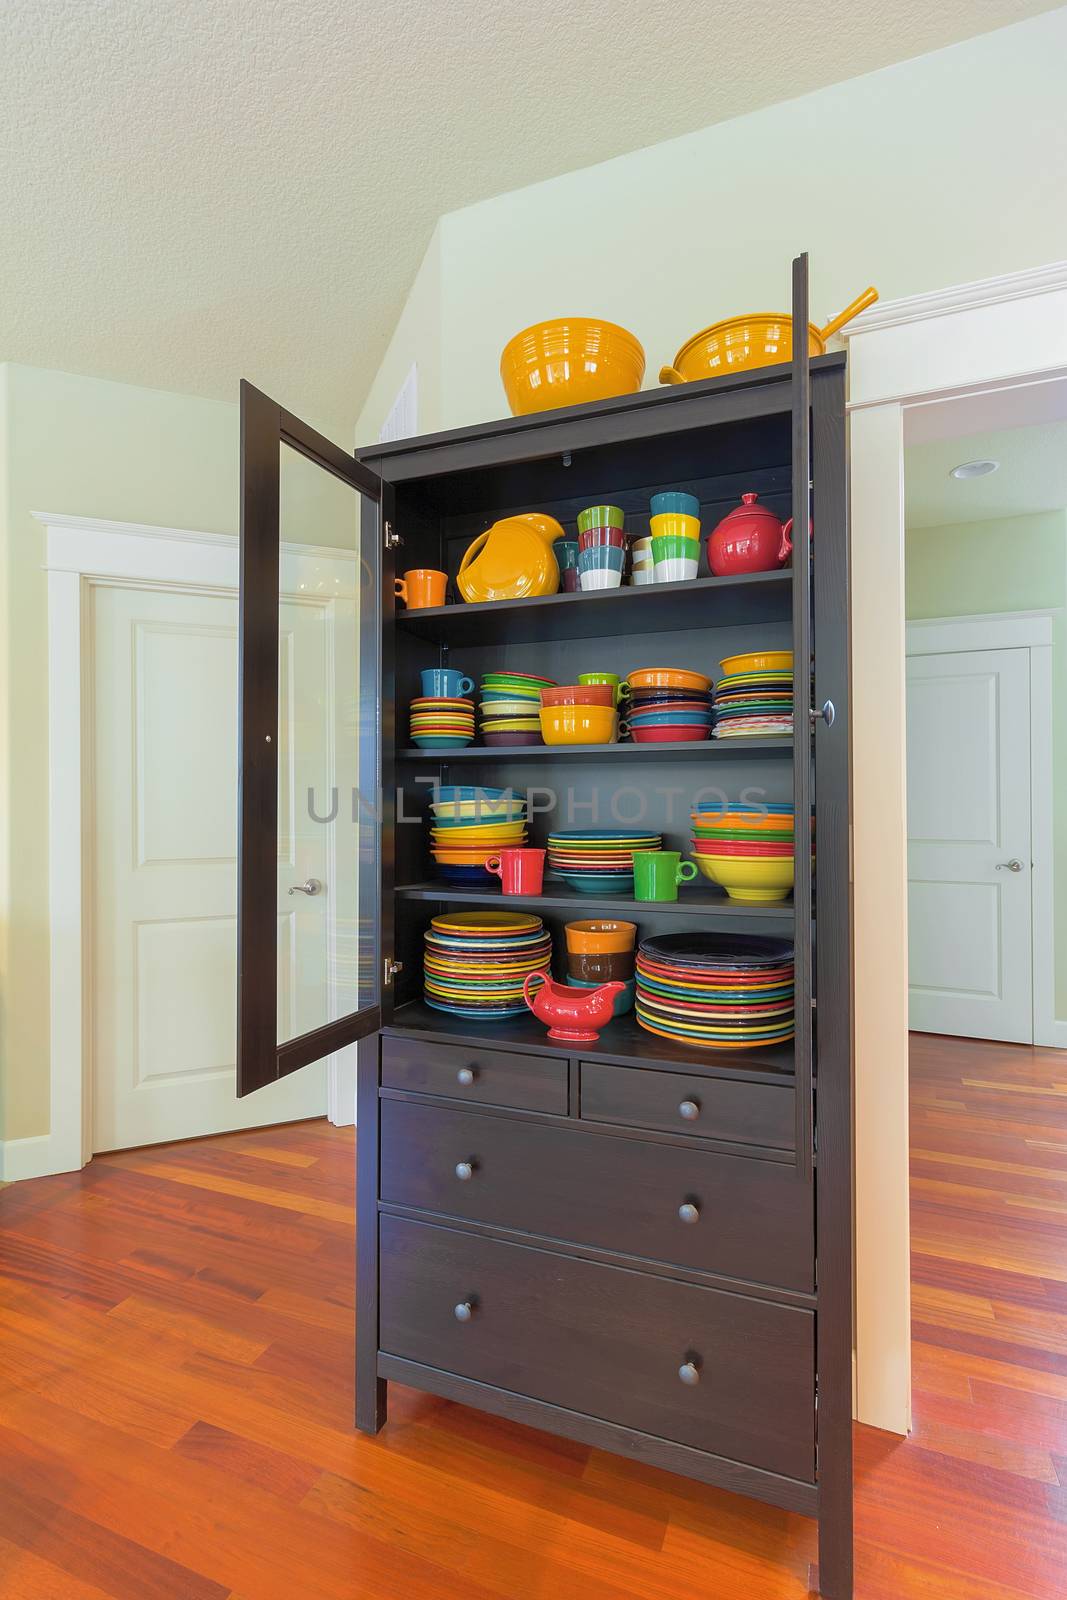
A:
[(754, 697), (598, 860), (475, 962), (719, 991)]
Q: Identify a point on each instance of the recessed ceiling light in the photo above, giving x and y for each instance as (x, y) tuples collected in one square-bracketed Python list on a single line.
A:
[(974, 469)]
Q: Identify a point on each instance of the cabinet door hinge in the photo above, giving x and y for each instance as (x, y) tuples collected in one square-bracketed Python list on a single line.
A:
[(393, 541), (390, 969)]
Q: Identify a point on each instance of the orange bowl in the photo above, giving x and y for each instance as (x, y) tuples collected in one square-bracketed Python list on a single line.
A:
[(570, 362)]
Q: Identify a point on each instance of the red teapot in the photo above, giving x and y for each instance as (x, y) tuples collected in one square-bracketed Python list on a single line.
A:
[(749, 539), (576, 1015)]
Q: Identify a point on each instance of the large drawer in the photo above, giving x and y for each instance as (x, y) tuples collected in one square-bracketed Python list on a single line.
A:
[(719, 1372), (727, 1214), (674, 1102), (486, 1077)]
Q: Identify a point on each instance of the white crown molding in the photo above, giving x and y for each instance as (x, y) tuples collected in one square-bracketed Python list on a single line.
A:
[(960, 297), (95, 527)]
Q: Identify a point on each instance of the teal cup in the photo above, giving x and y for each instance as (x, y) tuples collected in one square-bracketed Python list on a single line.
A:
[(566, 553), (445, 682), (657, 874), (674, 500)]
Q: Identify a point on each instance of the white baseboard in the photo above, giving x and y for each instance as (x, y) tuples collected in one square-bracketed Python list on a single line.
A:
[(38, 1157), (1051, 1035), (341, 1087)]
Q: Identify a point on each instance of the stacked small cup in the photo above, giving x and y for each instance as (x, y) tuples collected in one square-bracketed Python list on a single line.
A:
[(566, 554), (602, 952), (601, 547), (675, 524), (641, 564)]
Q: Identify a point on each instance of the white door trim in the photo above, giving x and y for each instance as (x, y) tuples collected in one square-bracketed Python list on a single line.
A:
[(904, 357), (1032, 631), (81, 552)]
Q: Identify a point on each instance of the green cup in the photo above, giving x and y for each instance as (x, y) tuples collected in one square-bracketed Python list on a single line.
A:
[(602, 677), (673, 547), (657, 874), (600, 517)]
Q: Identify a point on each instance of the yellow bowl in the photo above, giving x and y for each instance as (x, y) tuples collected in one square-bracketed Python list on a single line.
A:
[(758, 661), (674, 524), (484, 833), (753, 879), (579, 725), (570, 362)]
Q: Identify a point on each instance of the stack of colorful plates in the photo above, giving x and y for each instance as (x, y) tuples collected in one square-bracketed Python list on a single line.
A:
[(671, 716), (461, 845), (718, 990), (441, 724), (475, 962), (511, 705), (746, 849), (754, 697), (598, 860)]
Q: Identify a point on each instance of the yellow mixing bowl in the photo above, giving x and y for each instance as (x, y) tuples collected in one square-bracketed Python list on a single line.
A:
[(579, 725), (569, 363), (753, 879)]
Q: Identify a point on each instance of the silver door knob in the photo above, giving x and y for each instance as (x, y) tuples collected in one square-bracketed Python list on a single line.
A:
[(689, 1110), (309, 886), (689, 1212), (464, 1171), (464, 1311), (465, 1076), (689, 1373), (1009, 866)]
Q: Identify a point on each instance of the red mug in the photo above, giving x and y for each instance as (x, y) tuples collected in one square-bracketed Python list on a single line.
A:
[(520, 869)]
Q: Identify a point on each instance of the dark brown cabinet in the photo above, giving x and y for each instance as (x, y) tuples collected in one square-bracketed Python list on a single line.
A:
[(543, 1231)]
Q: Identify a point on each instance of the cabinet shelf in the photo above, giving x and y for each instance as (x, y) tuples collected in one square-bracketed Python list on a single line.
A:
[(707, 749), (622, 1040), (602, 613), (692, 901)]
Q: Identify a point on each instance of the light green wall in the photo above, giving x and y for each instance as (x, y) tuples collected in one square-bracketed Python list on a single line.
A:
[(95, 449), (416, 339), (1017, 564), (905, 178)]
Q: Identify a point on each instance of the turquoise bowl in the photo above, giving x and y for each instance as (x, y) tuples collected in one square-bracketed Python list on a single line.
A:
[(593, 883), (440, 741), (624, 1002)]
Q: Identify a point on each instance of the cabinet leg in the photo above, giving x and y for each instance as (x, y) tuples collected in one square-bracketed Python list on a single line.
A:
[(372, 1404), (835, 1576)]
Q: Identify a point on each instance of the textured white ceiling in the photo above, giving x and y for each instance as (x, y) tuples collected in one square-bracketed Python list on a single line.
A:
[(1032, 476), (196, 190)]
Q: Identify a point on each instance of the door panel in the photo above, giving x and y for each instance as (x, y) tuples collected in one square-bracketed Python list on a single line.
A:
[(969, 930), (308, 913)]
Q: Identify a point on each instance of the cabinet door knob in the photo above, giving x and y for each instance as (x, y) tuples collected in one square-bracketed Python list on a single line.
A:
[(689, 1212), (689, 1372), (466, 1076), (464, 1171), (689, 1110), (464, 1311)]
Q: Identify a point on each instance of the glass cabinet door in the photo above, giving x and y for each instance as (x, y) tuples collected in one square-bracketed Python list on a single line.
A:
[(308, 881)]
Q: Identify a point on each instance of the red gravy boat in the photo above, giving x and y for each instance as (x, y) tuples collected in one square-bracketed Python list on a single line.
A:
[(574, 1015)]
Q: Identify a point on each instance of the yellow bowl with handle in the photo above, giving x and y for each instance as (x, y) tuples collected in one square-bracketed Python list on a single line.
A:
[(760, 339)]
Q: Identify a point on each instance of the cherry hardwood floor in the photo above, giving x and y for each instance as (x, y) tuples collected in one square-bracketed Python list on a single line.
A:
[(176, 1395)]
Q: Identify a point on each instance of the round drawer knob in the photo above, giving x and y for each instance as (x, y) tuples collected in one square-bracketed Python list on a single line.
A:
[(689, 1212), (463, 1312), (466, 1076), (689, 1372), (464, 1171), (689, 1110)]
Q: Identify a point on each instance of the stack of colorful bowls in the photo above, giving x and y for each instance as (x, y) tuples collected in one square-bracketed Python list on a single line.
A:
[(566, 554), (754, 696), (675, 524), (511, 702), (602, 952), (469, 800), (641, 566), (669, 705), (601, 547), (579, 713), (746, 849), (475, 962), (440, 722), (721, 991), (598, 860), (460, 845)]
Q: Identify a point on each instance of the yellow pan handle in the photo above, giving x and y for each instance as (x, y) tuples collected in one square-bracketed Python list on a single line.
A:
[(472, 550), (867, 298), (670, 375)]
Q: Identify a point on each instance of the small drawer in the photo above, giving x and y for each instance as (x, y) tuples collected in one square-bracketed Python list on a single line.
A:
[(688, 1206), (484, 1077), (719, 1372), (673, 1102)]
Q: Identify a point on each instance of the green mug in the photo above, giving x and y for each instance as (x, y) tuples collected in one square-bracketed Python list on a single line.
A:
[(657, 874), (602, 677)]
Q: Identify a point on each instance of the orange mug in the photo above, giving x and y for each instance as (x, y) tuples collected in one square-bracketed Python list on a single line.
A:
[(420, 587)]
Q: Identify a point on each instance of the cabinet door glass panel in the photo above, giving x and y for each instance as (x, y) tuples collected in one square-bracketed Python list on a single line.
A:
[(310, 635)]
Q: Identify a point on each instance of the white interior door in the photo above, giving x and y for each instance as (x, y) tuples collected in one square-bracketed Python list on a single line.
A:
[(164, 892), (970, 951)]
